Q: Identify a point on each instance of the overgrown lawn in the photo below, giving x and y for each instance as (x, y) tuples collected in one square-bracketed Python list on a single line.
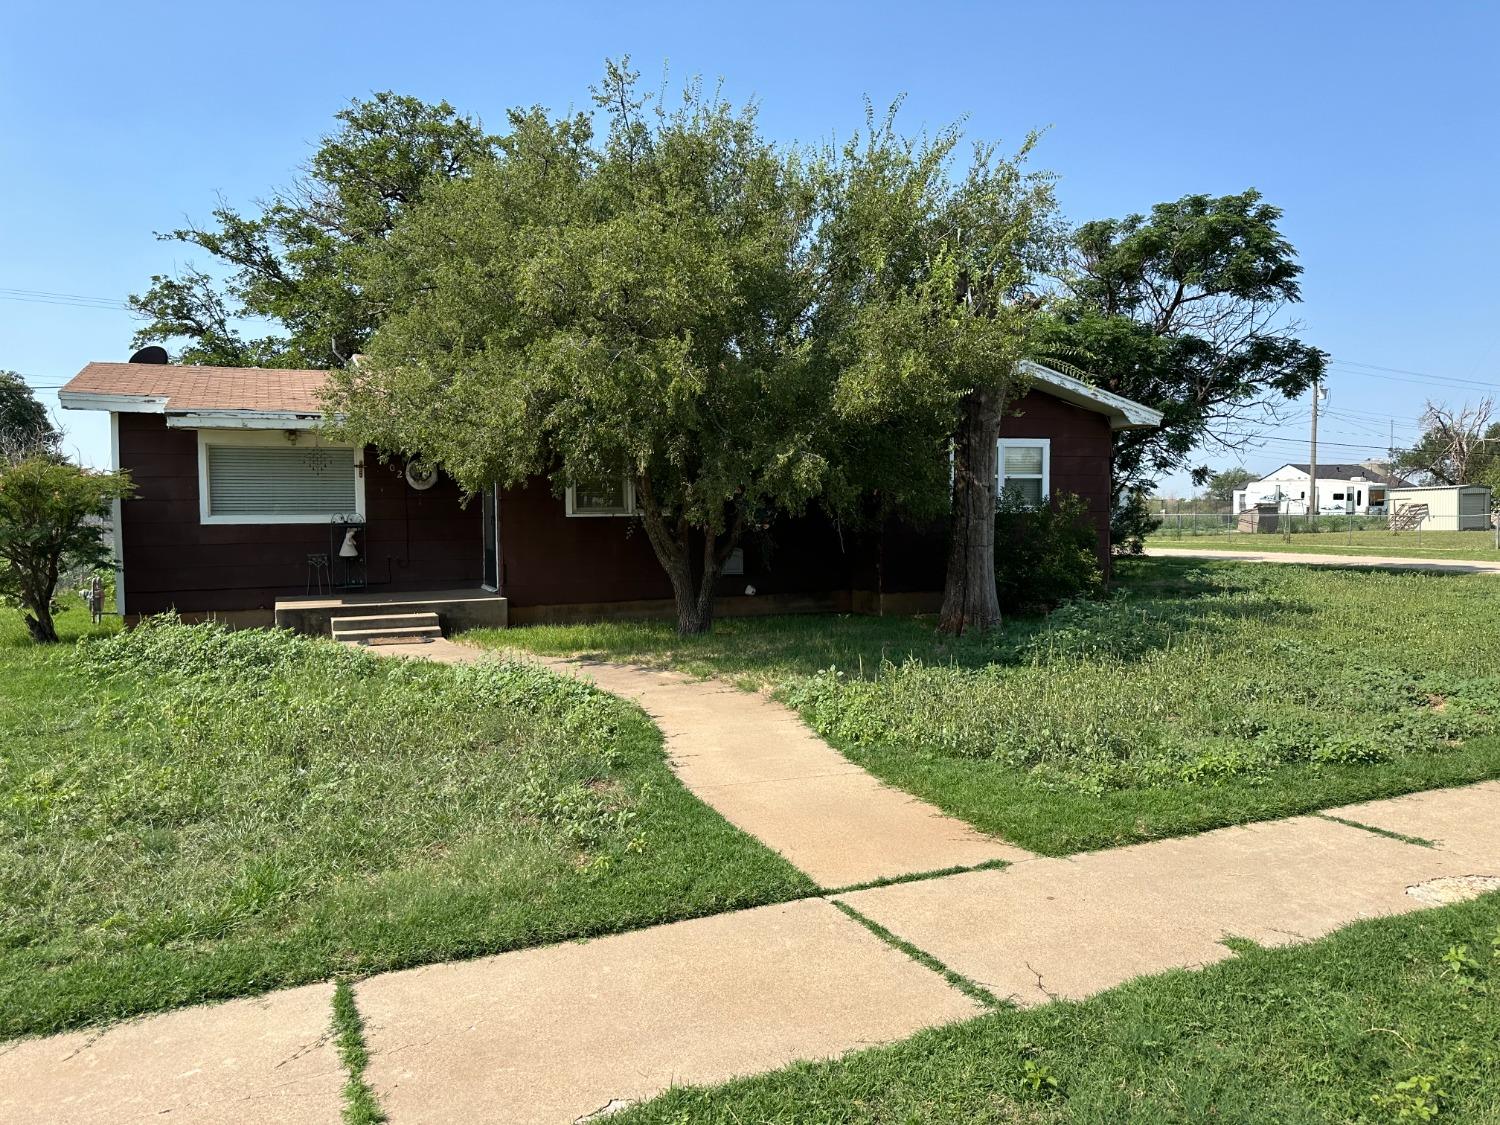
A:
[(188, 813), (1202, 694)]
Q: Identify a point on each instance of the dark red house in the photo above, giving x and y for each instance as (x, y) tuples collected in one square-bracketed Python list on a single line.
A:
[(242, 510)]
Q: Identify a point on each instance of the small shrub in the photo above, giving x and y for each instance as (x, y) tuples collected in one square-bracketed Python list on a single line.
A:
[(1044, 556), (1130, 523)]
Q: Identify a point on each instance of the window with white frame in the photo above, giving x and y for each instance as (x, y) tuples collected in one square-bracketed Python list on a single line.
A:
[(614, 496), (271, 476), (1026, 469)]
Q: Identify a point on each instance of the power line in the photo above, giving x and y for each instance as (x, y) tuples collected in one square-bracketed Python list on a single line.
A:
[(47, 296)]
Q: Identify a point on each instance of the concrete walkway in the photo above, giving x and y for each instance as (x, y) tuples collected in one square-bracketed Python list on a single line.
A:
[(1310, 558), (562, 1033), (764, 771)]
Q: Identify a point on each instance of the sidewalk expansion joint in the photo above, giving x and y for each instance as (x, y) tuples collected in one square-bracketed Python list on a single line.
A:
[(971, 989), (1416, 841)]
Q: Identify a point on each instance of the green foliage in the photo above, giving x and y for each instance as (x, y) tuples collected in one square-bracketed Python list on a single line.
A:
[(1130, 521), (634, 304), (1179, 310), (1045, 556), (1363, 1027), (931, 299), (51, 520), (188, 812), (1222, 486), (296, 265), (25, 427)]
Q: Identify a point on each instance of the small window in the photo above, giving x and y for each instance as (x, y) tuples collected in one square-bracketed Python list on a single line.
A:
[(1025, 469), (1338, 495), (613, 497), (262, 478)]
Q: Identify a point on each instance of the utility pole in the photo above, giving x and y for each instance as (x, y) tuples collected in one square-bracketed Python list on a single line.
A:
[(1312, 468)]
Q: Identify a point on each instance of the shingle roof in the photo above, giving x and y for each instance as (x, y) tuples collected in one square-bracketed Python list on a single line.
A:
[(266, 389), (1346, 472)]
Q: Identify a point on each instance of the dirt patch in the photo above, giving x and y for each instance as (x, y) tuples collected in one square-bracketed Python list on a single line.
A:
[(1453, 888)]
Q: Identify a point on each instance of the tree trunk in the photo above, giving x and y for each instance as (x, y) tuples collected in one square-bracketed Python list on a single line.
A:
[(970, 600), (41, 626), (692, 587)]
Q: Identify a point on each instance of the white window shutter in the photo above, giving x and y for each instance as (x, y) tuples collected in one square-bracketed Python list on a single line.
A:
[(274, 481)]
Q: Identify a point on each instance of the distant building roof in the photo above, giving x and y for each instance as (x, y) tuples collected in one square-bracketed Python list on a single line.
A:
[(1349, 472), (1372, 471)]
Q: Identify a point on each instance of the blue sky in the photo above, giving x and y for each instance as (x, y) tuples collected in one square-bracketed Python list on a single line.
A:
[(1372, 125)]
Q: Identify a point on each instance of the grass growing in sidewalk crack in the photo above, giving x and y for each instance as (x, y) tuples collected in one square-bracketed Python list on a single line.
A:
[(360, 1107), (1386, 832), (919, 876), (922, 957)]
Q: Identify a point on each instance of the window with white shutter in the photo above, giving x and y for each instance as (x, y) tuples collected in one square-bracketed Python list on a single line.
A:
[(260, 477)]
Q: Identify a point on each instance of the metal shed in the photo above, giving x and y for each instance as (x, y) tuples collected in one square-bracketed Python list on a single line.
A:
[(1458, 507)]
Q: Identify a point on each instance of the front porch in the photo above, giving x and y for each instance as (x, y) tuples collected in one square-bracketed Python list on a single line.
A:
[(456, 609)]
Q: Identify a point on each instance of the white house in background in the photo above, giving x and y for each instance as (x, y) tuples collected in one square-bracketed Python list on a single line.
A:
[(1341, 488)]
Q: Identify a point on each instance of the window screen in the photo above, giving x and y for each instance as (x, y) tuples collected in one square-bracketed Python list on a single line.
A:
[(601, 498), (1023, 472), (269, 480)]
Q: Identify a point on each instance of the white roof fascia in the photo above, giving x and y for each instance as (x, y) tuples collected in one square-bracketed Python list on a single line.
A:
[(1124, 413), (242, 420), (115, 404)]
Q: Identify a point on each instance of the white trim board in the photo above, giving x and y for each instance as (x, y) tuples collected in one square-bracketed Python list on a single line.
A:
[(1123, 413), (117, 510), (242, 420)]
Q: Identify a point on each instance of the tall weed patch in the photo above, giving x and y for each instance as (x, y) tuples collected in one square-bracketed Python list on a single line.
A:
[(245, 770), (1254, 670)]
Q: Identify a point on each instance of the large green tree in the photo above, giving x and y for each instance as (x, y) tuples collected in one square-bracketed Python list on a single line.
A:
[(1223, 485), (587, 307), (52, 518), (25, 426), (293, 269), (1185, 309), (930, 305)]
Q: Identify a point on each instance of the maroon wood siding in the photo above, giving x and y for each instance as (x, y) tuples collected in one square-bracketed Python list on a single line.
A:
[(413, 540), (913, 559), (549, 558), (426, 540)]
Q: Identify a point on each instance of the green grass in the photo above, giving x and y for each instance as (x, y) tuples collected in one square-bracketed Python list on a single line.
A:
[(1205, 694), (360, 1107), (1437, 545), (1370, 1025), (187, 814)]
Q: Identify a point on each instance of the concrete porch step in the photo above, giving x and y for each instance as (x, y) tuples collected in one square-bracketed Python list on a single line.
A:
[(388, 628)]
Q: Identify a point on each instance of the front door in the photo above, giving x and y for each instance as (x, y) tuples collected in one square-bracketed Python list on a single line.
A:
[(490, 517)]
